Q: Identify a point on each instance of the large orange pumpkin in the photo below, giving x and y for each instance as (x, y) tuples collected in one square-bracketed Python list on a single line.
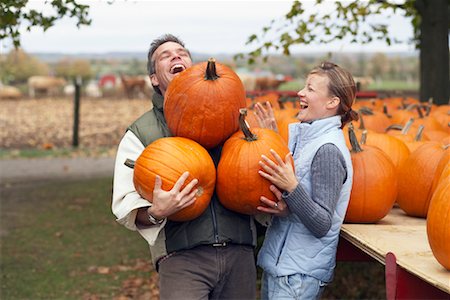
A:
[(438, 220), (397, 150), (374, 186), (203, 102), (415, 179), (169, 158), (239, 185)]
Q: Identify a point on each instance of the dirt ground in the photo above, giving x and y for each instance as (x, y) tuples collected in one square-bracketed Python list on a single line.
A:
[(48, 123)]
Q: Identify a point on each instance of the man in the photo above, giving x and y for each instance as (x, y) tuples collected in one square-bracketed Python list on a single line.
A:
[(211, 257)]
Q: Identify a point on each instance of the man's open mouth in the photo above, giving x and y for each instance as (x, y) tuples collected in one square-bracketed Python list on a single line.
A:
[(177, 69)]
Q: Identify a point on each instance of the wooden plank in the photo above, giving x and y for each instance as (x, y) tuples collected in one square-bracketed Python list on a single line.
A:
[(404, 236)]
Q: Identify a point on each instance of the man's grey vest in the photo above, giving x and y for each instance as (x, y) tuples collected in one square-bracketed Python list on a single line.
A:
[(217, 224)]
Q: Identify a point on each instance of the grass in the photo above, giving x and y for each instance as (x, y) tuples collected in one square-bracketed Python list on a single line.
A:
[(56, 152), (59, 240)]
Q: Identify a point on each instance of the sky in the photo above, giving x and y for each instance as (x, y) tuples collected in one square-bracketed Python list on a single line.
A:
[(205, 26)]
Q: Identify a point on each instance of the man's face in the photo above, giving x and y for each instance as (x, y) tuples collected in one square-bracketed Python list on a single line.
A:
[(170, 59)]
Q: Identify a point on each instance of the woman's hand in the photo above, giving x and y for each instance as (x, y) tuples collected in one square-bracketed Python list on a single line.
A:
[(265, 116), (280, 173), (278, 208)]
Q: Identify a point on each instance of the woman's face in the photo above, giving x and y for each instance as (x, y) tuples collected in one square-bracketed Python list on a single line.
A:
[(315, 102), (170, 59)]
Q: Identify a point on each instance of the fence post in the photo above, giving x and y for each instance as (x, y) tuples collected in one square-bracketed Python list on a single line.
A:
[(76, 111)]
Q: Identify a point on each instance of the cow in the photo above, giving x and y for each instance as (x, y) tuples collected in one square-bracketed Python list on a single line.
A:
[(268, 83), (9, 92), (248, 80), (44, 85), (134, 86)]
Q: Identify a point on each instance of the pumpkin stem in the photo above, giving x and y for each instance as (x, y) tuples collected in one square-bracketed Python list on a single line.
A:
[(211, 73), (429, 106), (407, 126), (249, 136), (386, 112), (393, 127), (363, 137), (366, 111), (362, 126), (129, 163), (418, 136), (353, 140), (419, 111)]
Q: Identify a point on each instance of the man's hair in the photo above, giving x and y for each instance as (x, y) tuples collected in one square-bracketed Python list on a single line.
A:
[(155, 44)]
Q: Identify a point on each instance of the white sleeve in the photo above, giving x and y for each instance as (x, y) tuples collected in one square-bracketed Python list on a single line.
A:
[(125, 199)]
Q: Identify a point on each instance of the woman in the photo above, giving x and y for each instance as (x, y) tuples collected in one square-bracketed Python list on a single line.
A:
[(298, 255)]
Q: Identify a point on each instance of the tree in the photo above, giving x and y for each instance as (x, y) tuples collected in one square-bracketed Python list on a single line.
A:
[(379, 66), (349, 19), (17, 66), (74, 68), (15, 16)]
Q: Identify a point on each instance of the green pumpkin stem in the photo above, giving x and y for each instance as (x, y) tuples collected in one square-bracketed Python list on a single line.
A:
[(353, 140), (249, 136), (211, 73), (130, 163)]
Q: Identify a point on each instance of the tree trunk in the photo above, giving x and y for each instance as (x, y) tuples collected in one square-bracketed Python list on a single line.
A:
[(434, 50)]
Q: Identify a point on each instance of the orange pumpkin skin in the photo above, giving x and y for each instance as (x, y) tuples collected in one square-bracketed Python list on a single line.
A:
[(239, 185), (202, 103), (374, 188), (443, 163), (438, 220), (415, 179), (397, 150), (169, 158)]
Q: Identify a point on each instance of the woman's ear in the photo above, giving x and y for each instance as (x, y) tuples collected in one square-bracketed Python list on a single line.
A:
[(333, 102)]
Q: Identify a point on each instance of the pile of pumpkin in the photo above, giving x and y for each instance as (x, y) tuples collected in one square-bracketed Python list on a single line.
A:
[(400, 152)]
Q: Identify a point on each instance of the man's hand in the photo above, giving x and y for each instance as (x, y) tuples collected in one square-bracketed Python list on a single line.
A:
[(166, 203)]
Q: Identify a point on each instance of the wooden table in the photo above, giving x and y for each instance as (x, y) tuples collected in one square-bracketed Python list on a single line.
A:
[(400, 243)]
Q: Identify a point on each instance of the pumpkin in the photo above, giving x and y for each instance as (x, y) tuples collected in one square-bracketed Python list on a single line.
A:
[(169, 158), (374, 188), (397, 150), (239, 185), (442, 164), (438, 220), (202, 103), (415, 179), (374, 120)]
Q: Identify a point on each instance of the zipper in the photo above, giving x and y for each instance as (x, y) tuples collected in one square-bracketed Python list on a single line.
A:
[(214, 220)]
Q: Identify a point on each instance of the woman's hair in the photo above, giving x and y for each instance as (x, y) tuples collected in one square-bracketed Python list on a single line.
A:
[(341, 85)]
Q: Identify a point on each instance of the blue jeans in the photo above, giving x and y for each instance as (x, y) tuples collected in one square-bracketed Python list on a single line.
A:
[(296, 286)]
